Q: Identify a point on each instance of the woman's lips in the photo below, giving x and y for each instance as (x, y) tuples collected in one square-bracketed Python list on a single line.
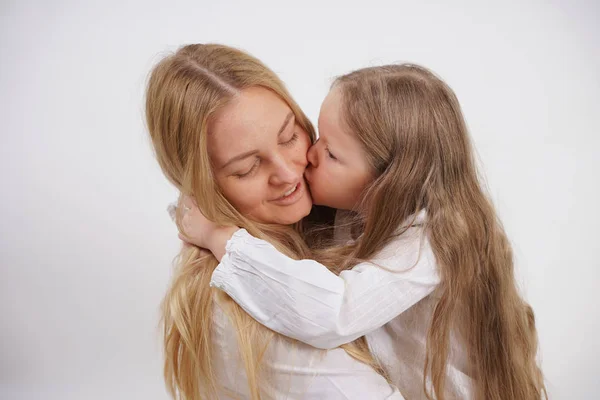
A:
[(291, 198)]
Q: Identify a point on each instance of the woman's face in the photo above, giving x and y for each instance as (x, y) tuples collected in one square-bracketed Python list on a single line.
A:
[(258, 153)]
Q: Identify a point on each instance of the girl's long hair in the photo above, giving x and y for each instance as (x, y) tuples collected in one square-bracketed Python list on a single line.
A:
[(411, 126)]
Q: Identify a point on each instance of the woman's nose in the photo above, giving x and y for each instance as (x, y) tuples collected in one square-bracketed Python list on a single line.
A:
[(284, 172), (311, 156)]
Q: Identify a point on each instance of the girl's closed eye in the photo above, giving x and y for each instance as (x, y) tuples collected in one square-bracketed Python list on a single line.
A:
[(330, 154), (249, 172)]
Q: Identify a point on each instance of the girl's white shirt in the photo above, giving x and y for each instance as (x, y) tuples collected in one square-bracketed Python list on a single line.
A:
[(389, 299)]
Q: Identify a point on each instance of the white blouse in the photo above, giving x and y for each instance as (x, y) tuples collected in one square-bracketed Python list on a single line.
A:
[(290, 369), (390, 300), (293, 370)]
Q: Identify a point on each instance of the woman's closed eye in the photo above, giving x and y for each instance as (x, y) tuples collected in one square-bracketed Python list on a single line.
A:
[(290, 141), (250, 171)]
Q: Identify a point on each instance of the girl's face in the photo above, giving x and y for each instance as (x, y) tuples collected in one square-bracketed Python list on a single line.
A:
[(258, 153), (338, 171)]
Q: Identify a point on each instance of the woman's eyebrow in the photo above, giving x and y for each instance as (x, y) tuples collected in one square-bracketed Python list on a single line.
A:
[(239, 157), (287, 120)]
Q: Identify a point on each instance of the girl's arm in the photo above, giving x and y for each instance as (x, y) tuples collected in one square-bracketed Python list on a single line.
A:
[(303, 300)]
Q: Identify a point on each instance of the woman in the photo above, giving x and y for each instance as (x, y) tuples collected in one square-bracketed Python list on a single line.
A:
[(214, 115)]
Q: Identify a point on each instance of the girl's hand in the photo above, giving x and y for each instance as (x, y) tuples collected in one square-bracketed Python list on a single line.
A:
[(196, 228), (203, 252), (202, 232)]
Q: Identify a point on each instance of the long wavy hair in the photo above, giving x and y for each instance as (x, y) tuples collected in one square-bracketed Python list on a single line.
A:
[(184, 91), (411, 126)]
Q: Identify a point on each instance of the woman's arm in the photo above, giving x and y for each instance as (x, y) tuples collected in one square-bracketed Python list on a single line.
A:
[(302, 299)]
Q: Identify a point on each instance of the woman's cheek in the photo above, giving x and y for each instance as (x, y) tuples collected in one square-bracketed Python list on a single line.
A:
[(305, 143), (244, 194)]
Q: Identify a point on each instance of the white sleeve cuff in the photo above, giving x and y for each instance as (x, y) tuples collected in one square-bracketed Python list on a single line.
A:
[(226, 267)]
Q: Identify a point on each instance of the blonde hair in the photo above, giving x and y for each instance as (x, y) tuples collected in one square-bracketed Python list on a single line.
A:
[(411, 126), (184, 91)]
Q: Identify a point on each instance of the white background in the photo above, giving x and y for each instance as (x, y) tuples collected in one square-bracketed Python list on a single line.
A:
[(86, 244)]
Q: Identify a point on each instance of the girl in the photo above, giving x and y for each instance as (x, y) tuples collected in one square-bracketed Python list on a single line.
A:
[(425, 268)]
